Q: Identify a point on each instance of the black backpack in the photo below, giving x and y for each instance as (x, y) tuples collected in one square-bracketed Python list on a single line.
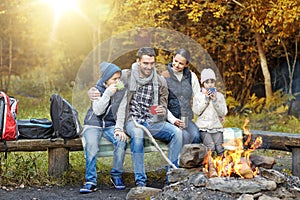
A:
[(64, 118), (35, 128)]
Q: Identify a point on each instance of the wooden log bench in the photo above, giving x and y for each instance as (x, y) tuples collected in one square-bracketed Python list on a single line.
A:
[(281, 141), (58, 151)]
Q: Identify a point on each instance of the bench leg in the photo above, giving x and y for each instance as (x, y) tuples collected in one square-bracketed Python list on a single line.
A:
[(58, 161), (296, 161)]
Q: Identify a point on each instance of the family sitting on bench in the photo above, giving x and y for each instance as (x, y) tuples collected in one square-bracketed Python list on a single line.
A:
[(161, 103)]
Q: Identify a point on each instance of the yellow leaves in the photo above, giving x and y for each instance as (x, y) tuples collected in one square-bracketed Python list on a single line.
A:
[(255, 104), (231, 102), (281, 109), (217, 14)]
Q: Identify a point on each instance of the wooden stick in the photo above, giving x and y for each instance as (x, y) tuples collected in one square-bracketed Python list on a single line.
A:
[(238, 3), (154, 142)]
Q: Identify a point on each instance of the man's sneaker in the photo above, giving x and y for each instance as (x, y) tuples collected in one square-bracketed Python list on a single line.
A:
[(117, 181), (88, 188)]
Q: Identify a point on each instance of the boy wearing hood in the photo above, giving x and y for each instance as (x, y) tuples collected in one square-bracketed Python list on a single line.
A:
[(100, 121)]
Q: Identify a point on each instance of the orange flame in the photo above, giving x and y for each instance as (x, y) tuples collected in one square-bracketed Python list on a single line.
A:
[(235, 161)]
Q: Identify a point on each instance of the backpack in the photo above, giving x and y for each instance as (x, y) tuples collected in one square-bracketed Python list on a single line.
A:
[(35, 128), (8, 123), (8, 114), (64, 118)]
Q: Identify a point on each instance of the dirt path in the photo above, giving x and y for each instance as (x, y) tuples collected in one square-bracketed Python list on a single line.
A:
[(59, 193)]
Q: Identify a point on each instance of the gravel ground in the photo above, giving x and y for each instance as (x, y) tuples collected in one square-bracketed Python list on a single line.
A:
[(65, 193)]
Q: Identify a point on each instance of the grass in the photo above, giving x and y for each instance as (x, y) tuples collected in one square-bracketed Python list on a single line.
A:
[(30, 168)]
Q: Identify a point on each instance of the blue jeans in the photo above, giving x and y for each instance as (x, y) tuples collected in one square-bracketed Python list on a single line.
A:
[(163, 131), (92, 136), (191, 134)]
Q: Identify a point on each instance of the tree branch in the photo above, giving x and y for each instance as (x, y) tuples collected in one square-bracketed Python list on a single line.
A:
[(238, 3), (154, 142)]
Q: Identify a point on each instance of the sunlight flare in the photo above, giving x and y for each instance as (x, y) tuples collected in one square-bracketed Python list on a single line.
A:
[(60, 6)]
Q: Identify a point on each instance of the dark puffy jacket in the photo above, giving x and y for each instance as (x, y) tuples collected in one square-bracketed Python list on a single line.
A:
[(180, 92), (108, 118)]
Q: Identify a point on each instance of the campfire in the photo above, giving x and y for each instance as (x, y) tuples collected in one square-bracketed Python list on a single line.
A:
[(232, 176), (236, 159)]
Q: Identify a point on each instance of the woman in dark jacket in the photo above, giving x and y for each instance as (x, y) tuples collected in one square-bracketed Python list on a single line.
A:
[(183, 84)]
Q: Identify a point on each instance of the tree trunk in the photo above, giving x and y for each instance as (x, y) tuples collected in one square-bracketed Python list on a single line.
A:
[(291, 69), (264, 66), (10, 63)]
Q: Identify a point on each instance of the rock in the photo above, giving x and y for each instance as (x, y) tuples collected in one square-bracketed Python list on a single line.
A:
[(234, 185), (192, 155), (246, 197), (272, 175), (263, 161), (198, 180), (266, 197), (284, 194), (176, 175), (141, 193)]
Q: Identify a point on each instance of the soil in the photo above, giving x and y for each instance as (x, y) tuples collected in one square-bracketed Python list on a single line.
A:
[(56, 192), (67, 192), (104, 191)]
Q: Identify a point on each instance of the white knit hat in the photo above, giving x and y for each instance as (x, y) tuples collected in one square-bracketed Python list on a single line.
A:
[(207, 74)]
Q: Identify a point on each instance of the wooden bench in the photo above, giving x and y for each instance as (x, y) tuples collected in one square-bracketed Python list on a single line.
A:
[(58, 151), (281, 141)]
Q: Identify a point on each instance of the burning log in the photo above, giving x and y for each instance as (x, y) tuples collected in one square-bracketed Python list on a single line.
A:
[(212, 172), (245, 170)]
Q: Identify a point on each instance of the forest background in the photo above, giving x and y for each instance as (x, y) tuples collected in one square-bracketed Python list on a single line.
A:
[(56, 46)]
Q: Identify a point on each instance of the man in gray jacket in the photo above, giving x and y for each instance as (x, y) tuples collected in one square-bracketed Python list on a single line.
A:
[(146, 101)]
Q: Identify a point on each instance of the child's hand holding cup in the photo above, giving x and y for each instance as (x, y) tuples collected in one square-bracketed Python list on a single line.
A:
[(211, 91)]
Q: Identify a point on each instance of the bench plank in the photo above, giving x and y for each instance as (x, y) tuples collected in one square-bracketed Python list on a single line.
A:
[(277, 140), (41, 145)]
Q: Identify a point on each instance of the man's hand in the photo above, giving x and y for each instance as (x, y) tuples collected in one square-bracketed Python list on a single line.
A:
[(122, 136), (160, 110), (94, 94)]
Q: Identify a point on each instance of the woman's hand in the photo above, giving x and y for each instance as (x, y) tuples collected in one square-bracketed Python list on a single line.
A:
[(179, 123)]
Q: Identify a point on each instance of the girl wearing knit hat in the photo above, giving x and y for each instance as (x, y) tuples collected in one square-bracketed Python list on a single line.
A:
[(210, 107), (100, 121)]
